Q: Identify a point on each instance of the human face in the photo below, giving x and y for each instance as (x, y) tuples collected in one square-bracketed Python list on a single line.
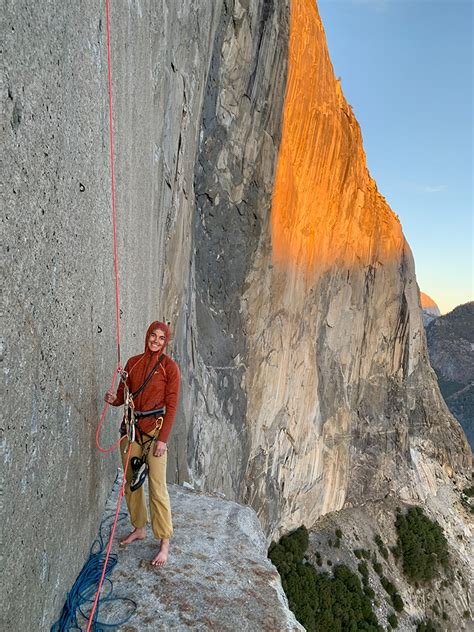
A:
[(156, 340)]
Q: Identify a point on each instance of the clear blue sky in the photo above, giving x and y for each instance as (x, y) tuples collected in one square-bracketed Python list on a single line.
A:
[(406, 68)]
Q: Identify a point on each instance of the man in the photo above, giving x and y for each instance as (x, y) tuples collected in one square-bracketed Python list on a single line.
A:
[(155, 377)]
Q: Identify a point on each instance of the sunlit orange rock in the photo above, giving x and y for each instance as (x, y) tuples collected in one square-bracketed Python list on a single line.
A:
[(427, 301), (326, 208), (429, 307), (341, 400)]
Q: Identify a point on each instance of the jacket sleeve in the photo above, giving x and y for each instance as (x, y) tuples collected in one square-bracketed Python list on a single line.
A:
[(171, 400), (120, 398)]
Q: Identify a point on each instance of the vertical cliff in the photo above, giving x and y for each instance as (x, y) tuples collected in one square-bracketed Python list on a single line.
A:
[(59, 304), (233, 182), (344, 402), (310, 385)]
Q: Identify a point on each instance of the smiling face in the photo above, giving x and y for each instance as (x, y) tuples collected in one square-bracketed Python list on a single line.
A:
[(156, 340)]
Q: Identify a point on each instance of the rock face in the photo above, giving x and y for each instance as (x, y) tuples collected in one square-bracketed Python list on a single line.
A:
[(311, 382), (233, 179), (59, 316), (430, 309), (306, 384), (451, 348)]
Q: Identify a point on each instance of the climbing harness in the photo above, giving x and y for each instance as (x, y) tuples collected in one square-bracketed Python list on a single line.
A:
[(131, 417), (131, 428)]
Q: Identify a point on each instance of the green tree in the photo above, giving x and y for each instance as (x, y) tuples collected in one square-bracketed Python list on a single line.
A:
[(422, 545), (321, 603)]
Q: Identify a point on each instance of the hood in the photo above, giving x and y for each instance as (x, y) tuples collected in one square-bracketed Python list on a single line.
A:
[(157, 324)]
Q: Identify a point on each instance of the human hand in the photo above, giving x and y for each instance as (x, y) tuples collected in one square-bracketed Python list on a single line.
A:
[(159, 448), (110, 397)]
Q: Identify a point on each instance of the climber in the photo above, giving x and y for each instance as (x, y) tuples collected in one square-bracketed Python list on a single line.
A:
[(161, 377)]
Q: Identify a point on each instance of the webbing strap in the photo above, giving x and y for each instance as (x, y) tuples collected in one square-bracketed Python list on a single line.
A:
[(146, 445), (148, 413), (148, 377)]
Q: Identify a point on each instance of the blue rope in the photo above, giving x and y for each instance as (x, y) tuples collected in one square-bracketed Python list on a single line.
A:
[(85, 587)]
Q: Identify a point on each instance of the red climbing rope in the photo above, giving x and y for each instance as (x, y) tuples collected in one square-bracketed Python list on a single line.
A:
[(111, 538), (114, 226), (117, 320), (112, 180)]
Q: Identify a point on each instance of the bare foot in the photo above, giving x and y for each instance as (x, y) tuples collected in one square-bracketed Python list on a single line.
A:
[(162, 557), (137, 534)]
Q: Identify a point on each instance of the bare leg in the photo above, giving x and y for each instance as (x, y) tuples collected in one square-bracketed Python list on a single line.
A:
[(162, 557), (136, 534)]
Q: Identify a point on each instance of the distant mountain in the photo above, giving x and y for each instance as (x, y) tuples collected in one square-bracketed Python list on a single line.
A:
[(429, 308), (451, 348)]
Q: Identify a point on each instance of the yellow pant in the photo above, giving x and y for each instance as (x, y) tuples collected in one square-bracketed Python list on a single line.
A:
[(160, 508)]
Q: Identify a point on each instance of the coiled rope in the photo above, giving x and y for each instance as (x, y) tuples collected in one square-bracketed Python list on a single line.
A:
[(83, 590)]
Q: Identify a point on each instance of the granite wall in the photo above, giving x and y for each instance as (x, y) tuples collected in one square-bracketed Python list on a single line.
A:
[(59, 317)]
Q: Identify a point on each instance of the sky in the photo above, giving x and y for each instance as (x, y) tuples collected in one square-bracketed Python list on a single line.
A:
[(406, 68)]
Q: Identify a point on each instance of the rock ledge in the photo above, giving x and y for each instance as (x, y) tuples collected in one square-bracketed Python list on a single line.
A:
[(218, 576)]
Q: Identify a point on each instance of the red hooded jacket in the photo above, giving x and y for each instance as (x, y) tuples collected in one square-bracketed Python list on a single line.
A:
[(161, 390)]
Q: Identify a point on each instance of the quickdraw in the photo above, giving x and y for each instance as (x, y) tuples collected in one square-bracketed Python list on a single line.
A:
[(128, 410)]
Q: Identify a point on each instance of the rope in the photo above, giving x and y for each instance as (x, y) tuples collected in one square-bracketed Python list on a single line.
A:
[(93, 615), (84, 587), (114, 232), (92, 619), (112, 180)]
